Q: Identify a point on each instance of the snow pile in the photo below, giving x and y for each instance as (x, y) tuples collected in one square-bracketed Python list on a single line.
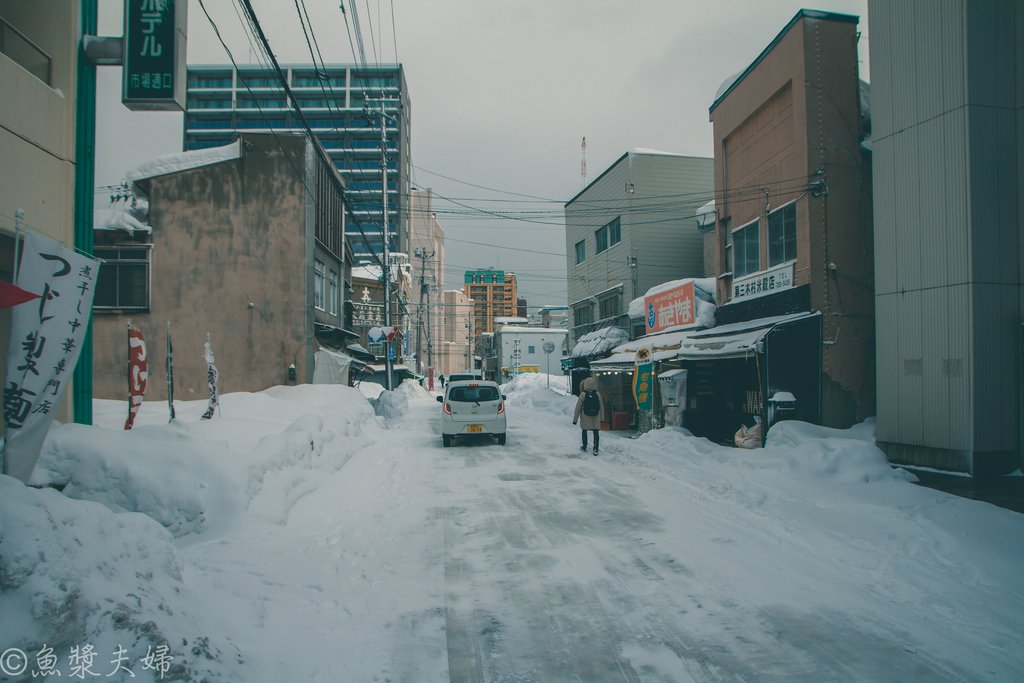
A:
[(529, 392), (393, 405), (162, 472), (75, 573)]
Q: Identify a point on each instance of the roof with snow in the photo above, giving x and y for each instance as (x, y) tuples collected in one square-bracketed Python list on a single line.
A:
[(184, 161)]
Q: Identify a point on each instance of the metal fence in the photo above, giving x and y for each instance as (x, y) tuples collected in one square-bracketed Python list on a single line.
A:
[(15, 45)]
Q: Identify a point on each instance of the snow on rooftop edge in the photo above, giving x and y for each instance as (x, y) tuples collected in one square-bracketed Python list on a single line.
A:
[(184, 161)]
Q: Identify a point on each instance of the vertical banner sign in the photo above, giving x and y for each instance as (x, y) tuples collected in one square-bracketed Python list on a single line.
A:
[(211, 381), (138, 373), (46, 339), (154, 54), (170, 373), (643, 381)]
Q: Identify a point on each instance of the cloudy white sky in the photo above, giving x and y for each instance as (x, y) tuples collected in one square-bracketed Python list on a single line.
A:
[(502, 95)]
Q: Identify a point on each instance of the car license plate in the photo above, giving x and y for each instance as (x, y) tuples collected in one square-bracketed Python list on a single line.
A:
[(474, 428)]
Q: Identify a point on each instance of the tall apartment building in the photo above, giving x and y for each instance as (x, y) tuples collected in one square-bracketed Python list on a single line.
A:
[(342, 105), (948, 135), (494, 295)]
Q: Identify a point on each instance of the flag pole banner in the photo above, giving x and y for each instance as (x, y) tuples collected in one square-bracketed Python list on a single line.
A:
[(170, 372), (138, 373), (46, 339), (211, 380)]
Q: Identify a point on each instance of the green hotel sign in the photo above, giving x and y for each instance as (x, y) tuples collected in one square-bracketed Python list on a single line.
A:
[(154, 54)]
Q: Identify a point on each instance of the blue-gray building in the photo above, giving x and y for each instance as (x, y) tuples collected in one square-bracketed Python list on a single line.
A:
[(342, 105)]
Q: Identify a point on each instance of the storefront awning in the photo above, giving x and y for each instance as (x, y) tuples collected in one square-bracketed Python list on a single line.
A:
[(738, 340), (626, 360)]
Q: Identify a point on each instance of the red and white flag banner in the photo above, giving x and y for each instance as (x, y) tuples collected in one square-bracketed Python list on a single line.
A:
[(138, 373)]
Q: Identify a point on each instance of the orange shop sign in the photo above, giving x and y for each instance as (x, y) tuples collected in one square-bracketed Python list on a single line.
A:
[(672, 308)]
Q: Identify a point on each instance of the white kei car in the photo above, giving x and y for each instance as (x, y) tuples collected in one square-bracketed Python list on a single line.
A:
[(470, 407)]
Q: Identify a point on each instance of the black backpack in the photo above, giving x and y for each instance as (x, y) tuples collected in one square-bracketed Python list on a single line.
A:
[(591, 403)]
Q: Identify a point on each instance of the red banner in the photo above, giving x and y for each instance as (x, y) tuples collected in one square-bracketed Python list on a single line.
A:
[(138, 373)]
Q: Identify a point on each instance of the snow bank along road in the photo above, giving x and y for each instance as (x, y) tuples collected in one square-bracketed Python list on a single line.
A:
[(343, 546)]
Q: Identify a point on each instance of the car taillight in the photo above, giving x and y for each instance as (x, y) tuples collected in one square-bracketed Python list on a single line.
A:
[(501, 408), (447, 409)]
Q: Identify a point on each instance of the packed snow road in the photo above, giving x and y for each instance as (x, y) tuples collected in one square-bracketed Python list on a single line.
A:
[(306, 538)]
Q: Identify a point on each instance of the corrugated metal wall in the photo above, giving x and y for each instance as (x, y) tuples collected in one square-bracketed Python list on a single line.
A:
[(946, 90)]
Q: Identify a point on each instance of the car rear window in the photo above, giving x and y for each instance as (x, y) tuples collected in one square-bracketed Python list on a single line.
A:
[(470, 394)]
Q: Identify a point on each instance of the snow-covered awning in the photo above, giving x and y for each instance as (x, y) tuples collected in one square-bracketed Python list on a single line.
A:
[(599, 341), (626, 360), (737, 340), (121, 217)]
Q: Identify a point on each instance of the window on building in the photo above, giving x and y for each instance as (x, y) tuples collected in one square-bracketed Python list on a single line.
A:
[(601, 239), (332, 292), (318, 284), (531, 349), (581, 251), (782, 235), (609, 306), (124, 279), (583, 314), (614, 232), (746, 250)]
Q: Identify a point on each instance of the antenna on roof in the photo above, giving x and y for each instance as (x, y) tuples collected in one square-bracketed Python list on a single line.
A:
[(583, 162)]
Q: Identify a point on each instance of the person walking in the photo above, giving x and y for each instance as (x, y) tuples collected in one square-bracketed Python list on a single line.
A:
[(588, 412), (441, 379)]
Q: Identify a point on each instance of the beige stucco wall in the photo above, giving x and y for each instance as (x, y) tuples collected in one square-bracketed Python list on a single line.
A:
[(37, 138), (224, 236)]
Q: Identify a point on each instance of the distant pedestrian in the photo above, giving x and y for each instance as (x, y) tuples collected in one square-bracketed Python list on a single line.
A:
[(441, 379), (589, 410)]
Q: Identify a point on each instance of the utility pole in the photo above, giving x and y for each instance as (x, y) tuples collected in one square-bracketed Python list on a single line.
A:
[(430, 330), (634, 270), (387, 248), (423, 256)]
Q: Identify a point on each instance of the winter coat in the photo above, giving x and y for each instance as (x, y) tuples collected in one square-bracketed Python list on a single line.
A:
[(588, 421)]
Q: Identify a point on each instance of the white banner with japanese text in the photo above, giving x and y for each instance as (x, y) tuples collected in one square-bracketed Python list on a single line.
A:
[(46, 338)]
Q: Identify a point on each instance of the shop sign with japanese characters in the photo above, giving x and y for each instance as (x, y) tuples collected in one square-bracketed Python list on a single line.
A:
[(367, 315), (763, 283), (673, 308), (154, 55), (46, 338)]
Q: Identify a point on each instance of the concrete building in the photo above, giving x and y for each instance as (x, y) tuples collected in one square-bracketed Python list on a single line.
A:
[(630, 229), (948, 134), (342, 105), (39, 82), (427, 251), (792, 228), (243, 250), (521, 349), (494, 294), (453, 352)]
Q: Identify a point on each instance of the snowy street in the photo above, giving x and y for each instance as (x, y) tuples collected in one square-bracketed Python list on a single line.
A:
[(310, 539)]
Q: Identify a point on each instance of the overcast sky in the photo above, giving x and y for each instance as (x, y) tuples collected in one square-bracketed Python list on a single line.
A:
[(502, 94)]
